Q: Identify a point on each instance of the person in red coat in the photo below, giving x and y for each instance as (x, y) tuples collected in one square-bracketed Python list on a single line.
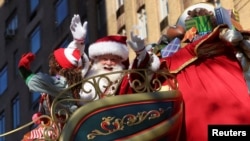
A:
[(212, 74), (210, 78), (110, 54)]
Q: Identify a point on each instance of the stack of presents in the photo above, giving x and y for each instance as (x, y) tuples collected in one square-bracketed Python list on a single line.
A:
[(196, 27)]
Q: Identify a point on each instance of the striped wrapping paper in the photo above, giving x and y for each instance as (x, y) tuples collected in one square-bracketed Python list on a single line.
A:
[(38, 133), (201, 23)]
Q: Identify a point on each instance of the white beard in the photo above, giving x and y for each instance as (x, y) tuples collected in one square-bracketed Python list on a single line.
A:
[(98, 69)]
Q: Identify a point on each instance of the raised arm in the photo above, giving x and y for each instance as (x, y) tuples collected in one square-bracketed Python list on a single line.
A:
[(144, 59)]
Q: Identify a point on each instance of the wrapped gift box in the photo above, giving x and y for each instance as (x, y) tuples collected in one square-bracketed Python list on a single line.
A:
[(223, 16), (202, 23), (171, 48)]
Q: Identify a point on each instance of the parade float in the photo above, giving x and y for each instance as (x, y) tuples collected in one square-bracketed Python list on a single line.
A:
[(150, 113)]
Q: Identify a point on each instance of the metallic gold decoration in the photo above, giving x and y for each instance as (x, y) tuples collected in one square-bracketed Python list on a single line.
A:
[(128, 120), (50, 130), (235, 15), (145, 83)]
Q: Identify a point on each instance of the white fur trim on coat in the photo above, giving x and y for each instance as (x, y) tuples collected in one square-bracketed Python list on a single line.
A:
[(86, 65), (155, 64)]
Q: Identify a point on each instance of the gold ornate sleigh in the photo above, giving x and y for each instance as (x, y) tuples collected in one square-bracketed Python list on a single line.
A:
[(153, 112)]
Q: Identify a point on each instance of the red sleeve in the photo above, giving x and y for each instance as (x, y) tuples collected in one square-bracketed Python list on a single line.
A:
[(125, 87), (183, 57), (144, 63)]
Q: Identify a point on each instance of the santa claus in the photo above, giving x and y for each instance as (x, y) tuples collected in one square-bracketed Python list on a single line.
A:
[(109, 55)]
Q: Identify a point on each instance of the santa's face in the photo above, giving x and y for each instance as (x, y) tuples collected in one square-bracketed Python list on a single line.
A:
[(102, 65), (109, 62), (106, 64)]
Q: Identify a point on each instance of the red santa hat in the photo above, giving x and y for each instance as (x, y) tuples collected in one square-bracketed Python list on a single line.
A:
[(114, 44), (68, 57)]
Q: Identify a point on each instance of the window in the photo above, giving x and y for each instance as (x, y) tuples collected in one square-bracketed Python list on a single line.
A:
[(120, 8), (35, 40), (142, 18), (65, 42), (33, 5), (3, 80), (16, 61), (16, 111), (163, 9), (122, 31), (11, 28), (2, 126), (119, 3), (61, 11), (35, 96), (101, 16)]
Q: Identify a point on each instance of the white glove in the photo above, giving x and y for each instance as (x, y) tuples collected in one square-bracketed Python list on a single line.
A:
[(78, 30), (231, 36), (137, 44)]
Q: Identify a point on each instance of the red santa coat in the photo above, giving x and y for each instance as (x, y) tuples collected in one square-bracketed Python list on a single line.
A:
[(213, 87), (150, 61), (122, 84)]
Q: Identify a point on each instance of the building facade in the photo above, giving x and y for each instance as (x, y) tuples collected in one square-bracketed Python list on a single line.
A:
[(40, 26), (153, 17), (37, 26), (122, 15)]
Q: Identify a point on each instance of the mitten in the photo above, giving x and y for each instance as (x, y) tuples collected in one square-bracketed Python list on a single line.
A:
[(78, 30), (25, 60), (24, 65)]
